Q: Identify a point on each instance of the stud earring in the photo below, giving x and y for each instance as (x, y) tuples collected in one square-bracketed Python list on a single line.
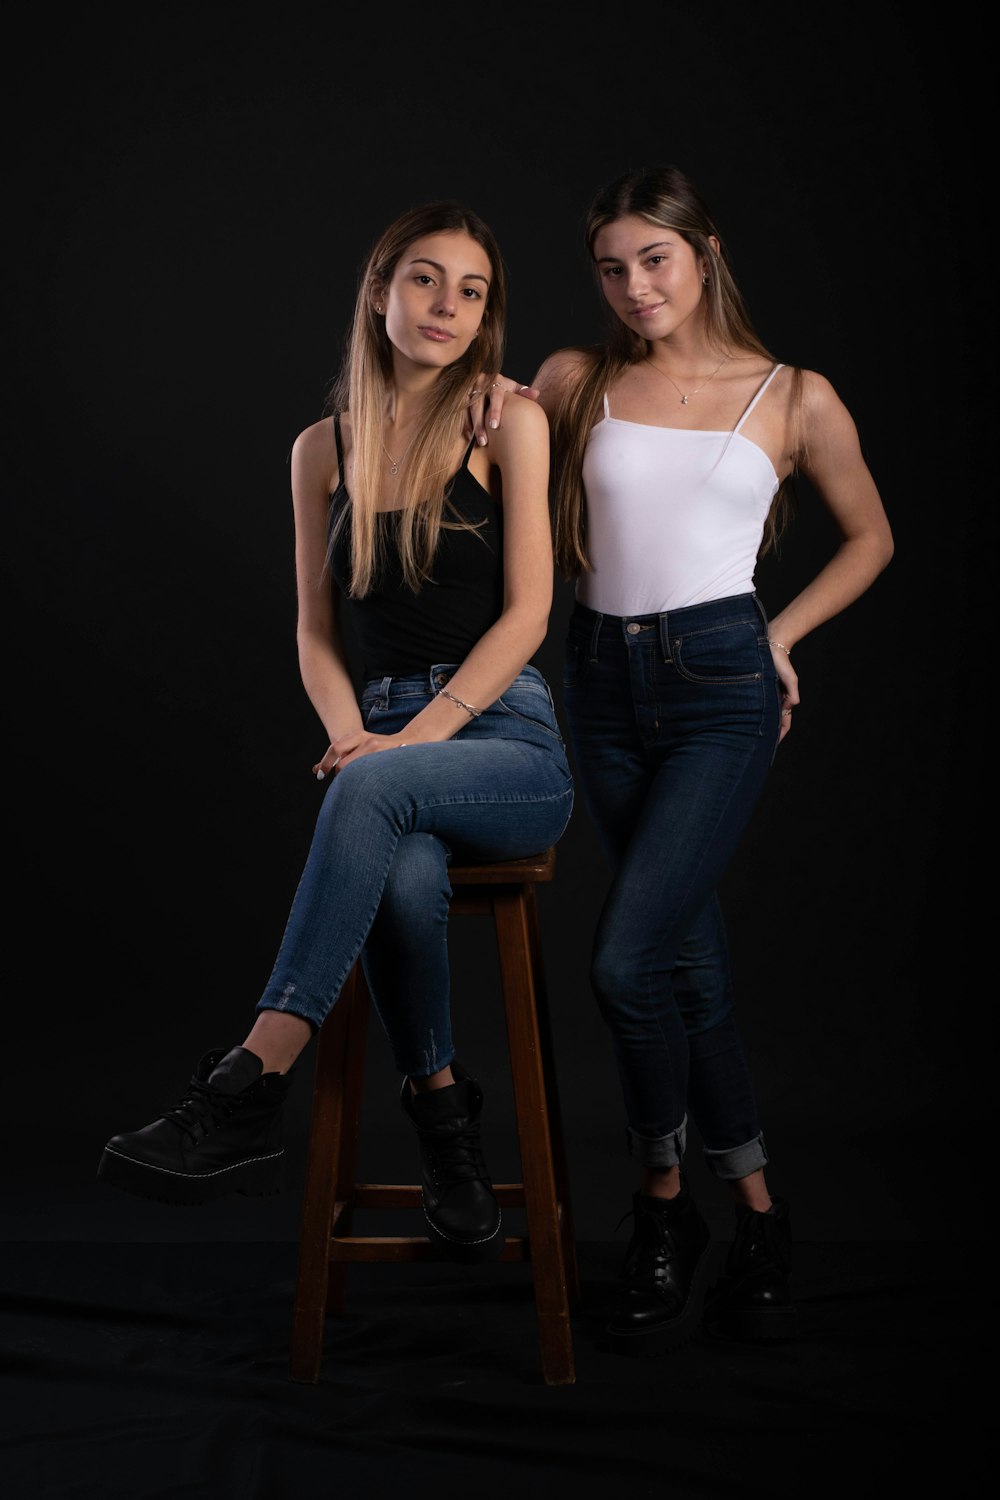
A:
[(378, 307)]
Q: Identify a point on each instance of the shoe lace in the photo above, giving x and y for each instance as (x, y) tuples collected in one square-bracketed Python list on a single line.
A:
[(651, 1241), (757, 1244), (457, 1157), (202, 1109)]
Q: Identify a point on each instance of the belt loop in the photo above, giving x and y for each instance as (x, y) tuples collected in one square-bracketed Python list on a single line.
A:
[(664, 623), (595, 637), (383, 692), (762, 612)]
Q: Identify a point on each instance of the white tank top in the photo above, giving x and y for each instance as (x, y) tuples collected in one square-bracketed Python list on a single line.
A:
[(673, 517)]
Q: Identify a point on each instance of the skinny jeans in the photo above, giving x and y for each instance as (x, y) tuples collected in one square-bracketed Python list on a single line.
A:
[(375, 882), (673, 721)]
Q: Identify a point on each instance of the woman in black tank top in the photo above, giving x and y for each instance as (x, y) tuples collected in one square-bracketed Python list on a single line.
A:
[(439, 555)]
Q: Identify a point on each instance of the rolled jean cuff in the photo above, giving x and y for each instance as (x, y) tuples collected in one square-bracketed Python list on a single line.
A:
[(738, 1161), (659, 1152)]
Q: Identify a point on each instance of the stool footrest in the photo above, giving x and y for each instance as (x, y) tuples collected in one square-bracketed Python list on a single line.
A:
[(407, 1195), (392, 1247)]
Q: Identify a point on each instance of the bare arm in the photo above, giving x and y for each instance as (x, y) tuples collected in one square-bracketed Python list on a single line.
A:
[(322, 659), (837, 469)]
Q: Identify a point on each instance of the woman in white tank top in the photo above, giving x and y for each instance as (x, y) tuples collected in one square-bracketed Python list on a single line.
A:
[(674, 446)]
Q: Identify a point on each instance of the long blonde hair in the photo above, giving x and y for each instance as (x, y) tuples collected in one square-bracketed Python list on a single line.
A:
[(362, 387), (666, 197)]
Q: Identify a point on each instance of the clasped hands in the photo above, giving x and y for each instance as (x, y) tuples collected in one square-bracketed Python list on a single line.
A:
[(352, 746)]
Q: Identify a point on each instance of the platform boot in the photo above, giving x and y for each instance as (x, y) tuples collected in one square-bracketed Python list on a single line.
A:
[(752, 1300), (663, 1276)]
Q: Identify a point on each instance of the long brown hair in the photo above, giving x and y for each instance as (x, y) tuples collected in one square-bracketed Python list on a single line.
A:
[(362, 386), (663, 196)]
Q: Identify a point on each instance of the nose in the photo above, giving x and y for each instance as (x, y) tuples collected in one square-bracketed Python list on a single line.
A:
[(445, 302), (636, 283)]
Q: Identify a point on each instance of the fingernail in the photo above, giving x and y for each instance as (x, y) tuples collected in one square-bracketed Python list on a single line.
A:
[(320, 775), (482, 440), (494, 423)]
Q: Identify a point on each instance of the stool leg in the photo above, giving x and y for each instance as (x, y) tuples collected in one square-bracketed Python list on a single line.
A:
[(559, 1159), (351, 1076), (330, 1170), (513, 928)]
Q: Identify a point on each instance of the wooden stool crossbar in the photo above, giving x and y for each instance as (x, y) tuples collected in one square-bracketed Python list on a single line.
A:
[(507, 891)]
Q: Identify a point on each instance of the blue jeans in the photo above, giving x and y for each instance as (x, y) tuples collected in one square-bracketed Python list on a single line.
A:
[(673, 721), (375, 882)]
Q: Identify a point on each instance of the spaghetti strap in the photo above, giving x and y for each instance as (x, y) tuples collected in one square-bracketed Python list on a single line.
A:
[(340, 444), (607, 407), (468, 451), (762, 388)]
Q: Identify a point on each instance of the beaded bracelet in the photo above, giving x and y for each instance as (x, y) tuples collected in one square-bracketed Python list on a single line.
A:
[(779, 646), (475, 712)]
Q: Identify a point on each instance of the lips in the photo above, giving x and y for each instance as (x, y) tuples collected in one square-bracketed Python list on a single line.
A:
[(436, 335), (646, 312)]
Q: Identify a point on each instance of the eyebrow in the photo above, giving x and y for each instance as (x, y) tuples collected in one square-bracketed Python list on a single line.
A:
[(423, 260), (643, 250)]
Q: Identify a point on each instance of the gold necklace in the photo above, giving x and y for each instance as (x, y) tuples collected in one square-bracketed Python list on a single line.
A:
[(687, 398), (394, 463)]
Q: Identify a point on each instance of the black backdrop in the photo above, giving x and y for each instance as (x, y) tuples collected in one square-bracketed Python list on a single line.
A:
[(191, 191)]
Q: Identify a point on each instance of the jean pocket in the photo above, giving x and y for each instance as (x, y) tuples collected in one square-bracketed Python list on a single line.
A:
[(369, 701), (727, 653), (529, 698), (576, 661)]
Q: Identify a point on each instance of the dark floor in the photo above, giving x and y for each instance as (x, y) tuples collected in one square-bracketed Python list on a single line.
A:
[(146, 1371)]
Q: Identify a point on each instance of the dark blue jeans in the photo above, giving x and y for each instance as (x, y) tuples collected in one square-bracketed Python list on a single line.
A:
[(375, 882), (673, 722)]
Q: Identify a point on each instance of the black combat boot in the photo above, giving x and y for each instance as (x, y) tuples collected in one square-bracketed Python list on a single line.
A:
[(752, 1300), (462, 1214), (223, 1136), (663, 1276)]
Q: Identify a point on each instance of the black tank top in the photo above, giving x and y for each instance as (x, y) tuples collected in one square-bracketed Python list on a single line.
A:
[(401, 632)]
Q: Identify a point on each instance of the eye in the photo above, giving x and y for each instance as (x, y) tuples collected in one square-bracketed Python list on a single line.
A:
[(656, 260), (611, 271), (472, 293), (424, 278)]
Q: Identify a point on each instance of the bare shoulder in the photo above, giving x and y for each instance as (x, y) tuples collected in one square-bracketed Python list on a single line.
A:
[(314, 454), (522, 437), (523, 419), (824, 411), (316, 438), (828, 428)]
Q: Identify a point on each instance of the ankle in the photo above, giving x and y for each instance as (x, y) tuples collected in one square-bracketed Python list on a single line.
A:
[(751, 1193), (663, 1185), (277, 1038), (442, 1079)]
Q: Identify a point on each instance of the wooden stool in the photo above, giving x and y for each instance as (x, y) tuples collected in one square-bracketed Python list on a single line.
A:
[(326, 1246)]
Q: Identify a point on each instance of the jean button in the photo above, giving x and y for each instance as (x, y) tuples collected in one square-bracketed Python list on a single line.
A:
[(633, 628), (440, 679)]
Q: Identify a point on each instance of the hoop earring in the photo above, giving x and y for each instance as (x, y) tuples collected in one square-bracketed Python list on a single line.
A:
[(704, 280)]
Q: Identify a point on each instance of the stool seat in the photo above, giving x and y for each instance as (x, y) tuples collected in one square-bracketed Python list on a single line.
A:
[(506, 890)]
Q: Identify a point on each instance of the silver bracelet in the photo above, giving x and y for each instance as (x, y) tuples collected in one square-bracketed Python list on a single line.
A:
[(780, 647), (475, 712)]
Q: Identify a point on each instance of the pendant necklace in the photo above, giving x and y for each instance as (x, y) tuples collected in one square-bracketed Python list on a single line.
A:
[(687, 398), (394, 463)]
